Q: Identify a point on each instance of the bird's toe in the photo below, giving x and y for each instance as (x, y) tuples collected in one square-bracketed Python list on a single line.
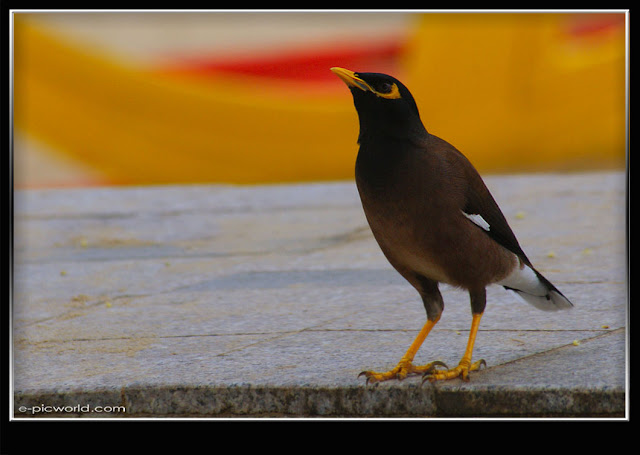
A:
[(461, 371)]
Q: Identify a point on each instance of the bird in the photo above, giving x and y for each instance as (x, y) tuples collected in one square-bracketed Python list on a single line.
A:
[(434, 219)]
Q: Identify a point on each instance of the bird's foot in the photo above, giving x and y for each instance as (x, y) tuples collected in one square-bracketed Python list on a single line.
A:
[(401, 371), (461, 371)]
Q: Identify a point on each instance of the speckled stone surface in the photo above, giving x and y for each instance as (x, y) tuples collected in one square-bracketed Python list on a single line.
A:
[(223, 301)]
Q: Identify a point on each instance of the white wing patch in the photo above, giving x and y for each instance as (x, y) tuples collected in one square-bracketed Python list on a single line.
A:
[(478, 220)]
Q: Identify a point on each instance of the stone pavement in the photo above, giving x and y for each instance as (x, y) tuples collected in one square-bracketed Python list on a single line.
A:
[(224, 301)]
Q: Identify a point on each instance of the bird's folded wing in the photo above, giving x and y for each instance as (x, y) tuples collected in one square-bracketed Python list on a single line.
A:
[(482, 209)]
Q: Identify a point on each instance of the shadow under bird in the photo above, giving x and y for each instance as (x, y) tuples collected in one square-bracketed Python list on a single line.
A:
[(434, 218)]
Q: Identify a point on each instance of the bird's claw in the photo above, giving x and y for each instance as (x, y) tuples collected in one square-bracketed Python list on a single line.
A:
[(401, 371), (461, 371), (436, 363), (367, 374)]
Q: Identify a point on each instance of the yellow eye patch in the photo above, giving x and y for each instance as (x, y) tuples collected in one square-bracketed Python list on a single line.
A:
[(354, 80), (392, 94)]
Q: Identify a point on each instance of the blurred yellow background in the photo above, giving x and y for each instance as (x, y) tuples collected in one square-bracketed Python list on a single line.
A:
[(155, 98)]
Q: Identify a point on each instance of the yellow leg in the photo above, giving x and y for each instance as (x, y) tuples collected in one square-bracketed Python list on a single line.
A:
[(405, 366), (465, 365)]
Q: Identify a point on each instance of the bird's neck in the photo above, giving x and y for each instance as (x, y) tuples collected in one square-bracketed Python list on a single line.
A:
[(385, 148), (379, 159), (378, 131), (383, 144)]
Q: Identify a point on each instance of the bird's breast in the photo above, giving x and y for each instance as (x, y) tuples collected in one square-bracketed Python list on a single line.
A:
[(403, 227)]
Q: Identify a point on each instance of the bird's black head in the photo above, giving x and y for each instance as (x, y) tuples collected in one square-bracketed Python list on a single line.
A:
[(385, 106)]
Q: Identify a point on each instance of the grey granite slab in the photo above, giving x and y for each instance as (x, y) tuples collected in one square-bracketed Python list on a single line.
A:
[(258, 301)]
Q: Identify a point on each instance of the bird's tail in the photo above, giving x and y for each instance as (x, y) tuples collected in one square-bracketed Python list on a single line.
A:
[(528, 284)]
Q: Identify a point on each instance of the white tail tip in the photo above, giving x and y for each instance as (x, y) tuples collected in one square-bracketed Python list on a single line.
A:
[(552, 301), (535, 289)]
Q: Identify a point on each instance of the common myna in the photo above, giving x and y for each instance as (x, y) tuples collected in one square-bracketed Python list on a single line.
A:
[(433, 217)]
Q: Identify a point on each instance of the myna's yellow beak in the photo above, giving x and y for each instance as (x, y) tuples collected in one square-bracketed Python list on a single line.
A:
[(350, 78)]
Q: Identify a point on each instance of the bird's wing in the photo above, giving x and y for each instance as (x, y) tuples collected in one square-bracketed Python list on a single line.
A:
[(481, 208), (477, 203)]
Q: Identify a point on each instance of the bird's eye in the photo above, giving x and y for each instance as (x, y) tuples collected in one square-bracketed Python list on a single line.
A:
[(385, 87), (388, 90)]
